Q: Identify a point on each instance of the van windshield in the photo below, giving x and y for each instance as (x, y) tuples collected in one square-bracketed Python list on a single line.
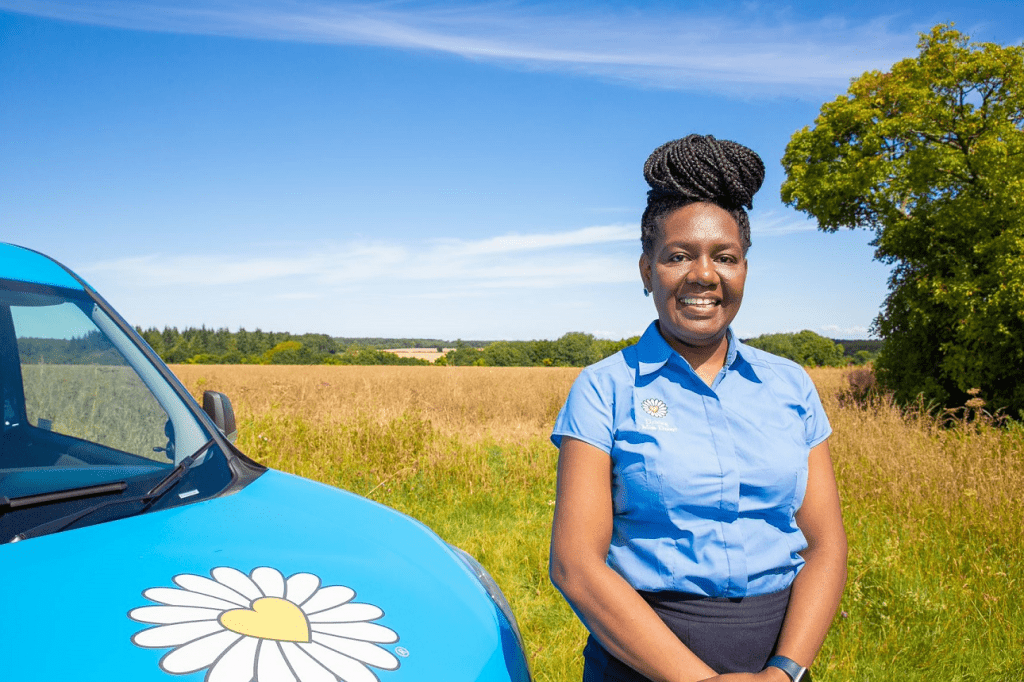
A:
[(83, 407)]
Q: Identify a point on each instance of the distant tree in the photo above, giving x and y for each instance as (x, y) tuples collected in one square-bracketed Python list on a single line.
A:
[(463, 354), (851, 346), (153, 337), (575, 349), (930, 156), (321, 344), (243, 342), (290, 353), (862, 357), (605, 348), (805, 348), (506, 354), (171, 337), (541, 352)]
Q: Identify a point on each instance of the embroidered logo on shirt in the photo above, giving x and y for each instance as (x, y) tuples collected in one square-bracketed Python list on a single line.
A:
[(654, 407)]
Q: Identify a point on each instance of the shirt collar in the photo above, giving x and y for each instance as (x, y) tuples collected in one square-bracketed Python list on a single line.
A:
[(653, 351)]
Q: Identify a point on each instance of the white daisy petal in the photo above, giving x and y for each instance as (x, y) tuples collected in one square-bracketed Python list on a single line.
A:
[(172, 614), (175, 635), (301, 587), (198, 654), (306, 669), (368, 632), (237, 664), (202, 585), (327, 598), (341, 665), (269, 580), (347, 613), (173, 597), (270, 663), (368, 653), (237, 581)]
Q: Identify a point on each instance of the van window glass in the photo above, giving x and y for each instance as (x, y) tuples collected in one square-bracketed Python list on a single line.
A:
[(78, 384)]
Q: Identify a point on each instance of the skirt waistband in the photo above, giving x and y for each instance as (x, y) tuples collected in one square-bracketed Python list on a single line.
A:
[(753, 609)]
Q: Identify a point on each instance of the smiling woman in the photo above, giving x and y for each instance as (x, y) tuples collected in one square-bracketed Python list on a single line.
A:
[(696, 273), (697, 528)]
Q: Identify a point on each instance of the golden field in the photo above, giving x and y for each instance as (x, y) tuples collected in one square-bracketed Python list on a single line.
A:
[(934, 508)]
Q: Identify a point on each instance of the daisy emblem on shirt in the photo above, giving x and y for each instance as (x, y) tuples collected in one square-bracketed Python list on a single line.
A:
[(652, 416), (655, 407), (263, 627)]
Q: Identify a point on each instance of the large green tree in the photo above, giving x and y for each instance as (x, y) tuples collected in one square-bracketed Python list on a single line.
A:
[(930, 156)]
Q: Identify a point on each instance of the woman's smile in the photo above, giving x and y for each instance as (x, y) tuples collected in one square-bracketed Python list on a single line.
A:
[(699, 302)]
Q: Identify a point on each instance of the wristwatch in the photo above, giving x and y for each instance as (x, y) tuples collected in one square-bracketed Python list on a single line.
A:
[(796, 672)]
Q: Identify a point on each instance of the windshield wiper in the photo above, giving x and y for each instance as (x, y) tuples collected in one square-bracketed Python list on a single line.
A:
[(165, 484), (40, 499), (177, 473)]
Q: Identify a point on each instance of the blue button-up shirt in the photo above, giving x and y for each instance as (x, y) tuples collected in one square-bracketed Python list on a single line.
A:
[(706, 480)]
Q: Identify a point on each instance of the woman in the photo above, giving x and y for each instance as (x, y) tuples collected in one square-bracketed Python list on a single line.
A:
[(697, 529)]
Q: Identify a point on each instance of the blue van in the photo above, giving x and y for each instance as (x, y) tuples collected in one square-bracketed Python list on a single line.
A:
[(138, 543)]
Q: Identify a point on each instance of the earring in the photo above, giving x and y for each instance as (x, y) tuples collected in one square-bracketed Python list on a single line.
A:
[(646, 293)]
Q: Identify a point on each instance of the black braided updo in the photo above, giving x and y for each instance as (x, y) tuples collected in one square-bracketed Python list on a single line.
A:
[(699, 168)]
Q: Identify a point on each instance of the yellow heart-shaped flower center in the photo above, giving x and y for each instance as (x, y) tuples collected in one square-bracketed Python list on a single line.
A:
[(269, 618)]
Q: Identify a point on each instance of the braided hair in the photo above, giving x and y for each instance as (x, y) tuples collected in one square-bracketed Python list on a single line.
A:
[(699, 168)]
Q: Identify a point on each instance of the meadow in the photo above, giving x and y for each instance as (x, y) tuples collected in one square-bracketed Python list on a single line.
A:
[(933, 505)]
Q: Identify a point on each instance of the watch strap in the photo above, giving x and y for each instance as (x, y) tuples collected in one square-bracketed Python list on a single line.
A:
[(796, 672)]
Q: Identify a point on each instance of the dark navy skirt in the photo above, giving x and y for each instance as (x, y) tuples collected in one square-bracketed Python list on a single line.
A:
[(730, 635)]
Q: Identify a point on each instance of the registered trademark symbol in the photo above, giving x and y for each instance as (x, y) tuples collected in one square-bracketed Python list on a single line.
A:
[(402, 651)]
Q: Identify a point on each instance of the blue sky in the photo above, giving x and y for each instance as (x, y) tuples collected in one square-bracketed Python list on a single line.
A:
[(449, 170)]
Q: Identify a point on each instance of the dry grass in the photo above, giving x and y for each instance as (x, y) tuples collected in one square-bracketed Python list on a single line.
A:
[(506, 403), (934, 512)]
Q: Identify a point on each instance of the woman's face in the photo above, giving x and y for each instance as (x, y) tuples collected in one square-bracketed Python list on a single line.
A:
[(696, 274)]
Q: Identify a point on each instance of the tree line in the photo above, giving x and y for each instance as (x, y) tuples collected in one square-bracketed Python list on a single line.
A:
[(574, 349), (222, 346), (813, 350), (205, 346)]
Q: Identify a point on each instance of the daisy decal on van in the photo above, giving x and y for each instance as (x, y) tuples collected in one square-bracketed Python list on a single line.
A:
[(263, 627)]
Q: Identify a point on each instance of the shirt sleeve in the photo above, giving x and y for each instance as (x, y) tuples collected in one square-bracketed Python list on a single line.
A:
[(587, 413), (816, 425)]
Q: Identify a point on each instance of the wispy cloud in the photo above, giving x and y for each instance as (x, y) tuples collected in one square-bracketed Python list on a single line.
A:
[(432, 268), (743, 50), (534, 242), (440, 266), (774, 224), (837, 332)]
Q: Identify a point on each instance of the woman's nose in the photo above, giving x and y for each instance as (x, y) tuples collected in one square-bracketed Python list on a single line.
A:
[(702, 272)]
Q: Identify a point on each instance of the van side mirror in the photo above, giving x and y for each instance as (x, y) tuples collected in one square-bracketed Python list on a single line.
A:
[(218, 406)]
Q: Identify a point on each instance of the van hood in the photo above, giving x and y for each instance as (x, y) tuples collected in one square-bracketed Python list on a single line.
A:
[(285, 578)]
